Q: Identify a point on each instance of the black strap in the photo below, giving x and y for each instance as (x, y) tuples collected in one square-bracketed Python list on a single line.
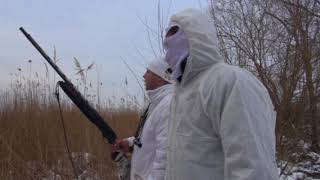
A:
[(142, 121)]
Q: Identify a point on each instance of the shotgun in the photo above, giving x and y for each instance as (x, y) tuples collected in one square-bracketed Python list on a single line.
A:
[(76, 96), (86, 109)]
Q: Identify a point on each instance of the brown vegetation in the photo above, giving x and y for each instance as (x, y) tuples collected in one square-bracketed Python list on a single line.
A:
[(32, 144)]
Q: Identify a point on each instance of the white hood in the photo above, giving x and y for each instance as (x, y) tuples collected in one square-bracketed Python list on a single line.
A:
[(202, 40)]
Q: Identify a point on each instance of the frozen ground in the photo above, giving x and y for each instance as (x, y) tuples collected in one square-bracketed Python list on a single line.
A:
[(308, 169)]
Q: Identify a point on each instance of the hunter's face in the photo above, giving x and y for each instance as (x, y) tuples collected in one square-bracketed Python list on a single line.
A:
[(152, 81)]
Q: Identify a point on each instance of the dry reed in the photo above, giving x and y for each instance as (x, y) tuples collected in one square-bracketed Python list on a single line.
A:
[(31, 135)]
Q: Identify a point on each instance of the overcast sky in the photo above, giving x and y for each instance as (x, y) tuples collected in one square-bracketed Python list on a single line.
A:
[(100, 31)]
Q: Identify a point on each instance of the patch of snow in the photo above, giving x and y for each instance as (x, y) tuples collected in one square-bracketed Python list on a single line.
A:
[(309, 169)]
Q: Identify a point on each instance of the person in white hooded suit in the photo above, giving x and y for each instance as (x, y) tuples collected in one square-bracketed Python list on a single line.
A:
[(222, 121), (150, 142)]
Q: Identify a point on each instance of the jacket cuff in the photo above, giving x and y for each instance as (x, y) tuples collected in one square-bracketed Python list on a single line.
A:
[(130, 140)]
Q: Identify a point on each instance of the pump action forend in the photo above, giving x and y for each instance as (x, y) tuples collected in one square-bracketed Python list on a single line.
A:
[(76, 96)]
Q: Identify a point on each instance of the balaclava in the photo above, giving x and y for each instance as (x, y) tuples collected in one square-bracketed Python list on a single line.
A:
[(177, 50)]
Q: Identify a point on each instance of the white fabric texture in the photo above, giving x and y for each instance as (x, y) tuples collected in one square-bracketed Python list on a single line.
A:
[(160, 68), (177, 50), (149, 161), (130, 140), (222, 121)]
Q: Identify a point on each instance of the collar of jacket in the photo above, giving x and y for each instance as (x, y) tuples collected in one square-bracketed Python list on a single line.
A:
[(158, 94), (202, 40)]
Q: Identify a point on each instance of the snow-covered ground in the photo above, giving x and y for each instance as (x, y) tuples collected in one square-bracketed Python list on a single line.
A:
[(86, 166), (308, 169)]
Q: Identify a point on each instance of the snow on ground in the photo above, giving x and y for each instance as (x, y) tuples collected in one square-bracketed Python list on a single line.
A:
[(308, 169), (86, 166)]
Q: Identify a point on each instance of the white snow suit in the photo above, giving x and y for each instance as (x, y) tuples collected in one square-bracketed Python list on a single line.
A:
[(149, 161), (222, 121)]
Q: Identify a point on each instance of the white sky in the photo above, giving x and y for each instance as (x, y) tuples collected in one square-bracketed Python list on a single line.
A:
[(103, 31)]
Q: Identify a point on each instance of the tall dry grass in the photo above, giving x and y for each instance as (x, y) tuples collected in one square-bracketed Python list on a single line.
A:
[(32, 144)]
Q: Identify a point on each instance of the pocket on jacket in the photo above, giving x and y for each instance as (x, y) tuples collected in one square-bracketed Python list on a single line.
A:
[(199, 150)]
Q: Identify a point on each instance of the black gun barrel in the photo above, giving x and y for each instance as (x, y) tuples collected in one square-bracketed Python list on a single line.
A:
[(76, 96), (88, 111), (41, 51)]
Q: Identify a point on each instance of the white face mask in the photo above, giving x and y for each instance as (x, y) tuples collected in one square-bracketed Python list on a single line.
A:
[(177, 49)]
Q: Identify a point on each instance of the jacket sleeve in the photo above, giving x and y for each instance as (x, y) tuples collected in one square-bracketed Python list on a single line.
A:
[(247, 132), (161, 136), (130, 140)]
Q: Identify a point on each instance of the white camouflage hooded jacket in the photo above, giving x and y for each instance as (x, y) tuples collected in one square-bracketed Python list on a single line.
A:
[(149, 161), (222, 122)]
